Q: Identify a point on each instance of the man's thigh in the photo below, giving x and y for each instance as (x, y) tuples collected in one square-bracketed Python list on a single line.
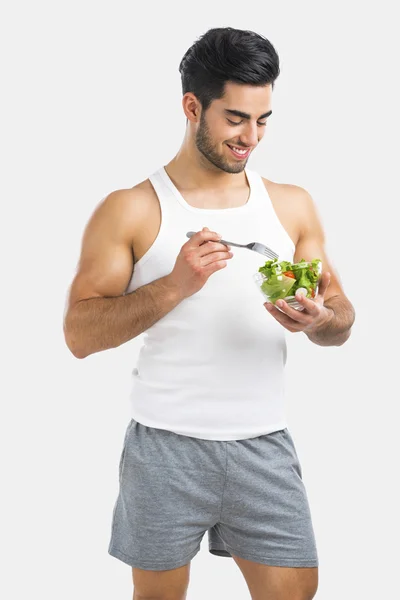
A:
[(171, 584), (278, 583), (169, 496), (265, 515)]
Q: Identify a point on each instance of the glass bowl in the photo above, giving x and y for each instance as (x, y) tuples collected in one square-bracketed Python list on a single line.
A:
[(284, 287)]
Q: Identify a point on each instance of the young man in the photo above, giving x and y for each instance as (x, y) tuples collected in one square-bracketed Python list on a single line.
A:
[(207, 448)]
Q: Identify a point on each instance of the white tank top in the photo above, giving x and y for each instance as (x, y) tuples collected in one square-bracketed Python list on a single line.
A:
[(213, 367)]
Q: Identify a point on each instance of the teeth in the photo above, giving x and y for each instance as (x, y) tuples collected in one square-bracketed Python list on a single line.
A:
[(238, 150)]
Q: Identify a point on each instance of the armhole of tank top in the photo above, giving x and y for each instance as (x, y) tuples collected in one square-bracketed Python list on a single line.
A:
[(270, 205), (163, 217)]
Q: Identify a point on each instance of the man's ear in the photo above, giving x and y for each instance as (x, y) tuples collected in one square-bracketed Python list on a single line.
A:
[(191, 107)]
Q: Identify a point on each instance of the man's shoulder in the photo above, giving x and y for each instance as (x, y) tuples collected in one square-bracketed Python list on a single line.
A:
[(128, 203), (137, 193), (288, 196), (293, 205), (285, 191)]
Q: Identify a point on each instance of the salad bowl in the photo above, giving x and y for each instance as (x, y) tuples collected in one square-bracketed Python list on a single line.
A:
[(281, 280)]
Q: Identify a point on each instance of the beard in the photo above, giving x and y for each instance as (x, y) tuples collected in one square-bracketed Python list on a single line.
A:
[(205, 145)]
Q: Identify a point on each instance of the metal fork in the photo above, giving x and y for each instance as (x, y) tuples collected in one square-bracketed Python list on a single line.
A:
[(256, 246)]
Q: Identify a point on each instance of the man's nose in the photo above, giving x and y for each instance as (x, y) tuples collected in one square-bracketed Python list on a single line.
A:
[(250, 136)]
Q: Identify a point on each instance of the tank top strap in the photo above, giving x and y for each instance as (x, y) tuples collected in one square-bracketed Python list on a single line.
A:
[(263, 204), (168, 205), (162, 190), (259, 193)]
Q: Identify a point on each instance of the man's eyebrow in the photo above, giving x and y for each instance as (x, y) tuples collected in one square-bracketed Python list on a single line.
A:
[(243, 115)]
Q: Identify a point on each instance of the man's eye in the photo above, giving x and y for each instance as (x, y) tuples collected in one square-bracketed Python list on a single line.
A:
[(240, 122)]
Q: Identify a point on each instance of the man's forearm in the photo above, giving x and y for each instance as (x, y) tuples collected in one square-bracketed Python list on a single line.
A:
[(97, 324), (337, 328)]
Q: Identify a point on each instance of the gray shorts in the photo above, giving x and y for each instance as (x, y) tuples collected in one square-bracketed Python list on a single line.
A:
[(248, 494)]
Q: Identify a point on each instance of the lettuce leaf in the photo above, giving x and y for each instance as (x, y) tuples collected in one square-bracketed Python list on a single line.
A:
[(277, 285)]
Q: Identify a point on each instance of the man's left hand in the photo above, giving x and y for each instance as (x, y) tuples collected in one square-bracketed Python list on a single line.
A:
[(314, 315)]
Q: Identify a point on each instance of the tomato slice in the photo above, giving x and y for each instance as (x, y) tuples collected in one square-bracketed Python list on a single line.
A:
[(289, 274), (312, 293)]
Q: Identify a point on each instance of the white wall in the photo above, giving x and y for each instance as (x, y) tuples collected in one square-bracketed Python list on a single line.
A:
[(91, 103)]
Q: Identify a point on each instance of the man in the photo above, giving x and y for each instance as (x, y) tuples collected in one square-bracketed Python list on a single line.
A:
[(207, 448)]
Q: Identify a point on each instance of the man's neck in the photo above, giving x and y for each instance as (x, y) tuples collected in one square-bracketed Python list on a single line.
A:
[(192, 171)]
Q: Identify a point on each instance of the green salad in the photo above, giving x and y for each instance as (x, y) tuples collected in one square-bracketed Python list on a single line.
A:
[(285, 278)]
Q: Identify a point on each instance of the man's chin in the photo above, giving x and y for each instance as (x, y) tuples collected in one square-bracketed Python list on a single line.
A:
[(225, 165), (231, 166), (235, 167)]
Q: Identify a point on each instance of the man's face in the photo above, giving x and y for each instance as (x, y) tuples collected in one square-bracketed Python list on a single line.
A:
[(220, 130)]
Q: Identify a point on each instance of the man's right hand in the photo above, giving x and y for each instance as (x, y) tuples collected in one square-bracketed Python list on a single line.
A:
[(201, 256)]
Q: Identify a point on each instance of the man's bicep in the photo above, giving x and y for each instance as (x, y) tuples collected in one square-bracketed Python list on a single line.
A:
[(311, 244), (107, 275), (106, 260)]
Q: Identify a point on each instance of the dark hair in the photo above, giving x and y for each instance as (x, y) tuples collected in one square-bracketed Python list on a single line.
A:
[(226, 54)]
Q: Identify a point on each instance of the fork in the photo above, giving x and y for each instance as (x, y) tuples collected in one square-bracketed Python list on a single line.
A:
[(256, 246)]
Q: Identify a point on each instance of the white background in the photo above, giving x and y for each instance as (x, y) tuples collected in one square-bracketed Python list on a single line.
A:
[(91, 102)]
